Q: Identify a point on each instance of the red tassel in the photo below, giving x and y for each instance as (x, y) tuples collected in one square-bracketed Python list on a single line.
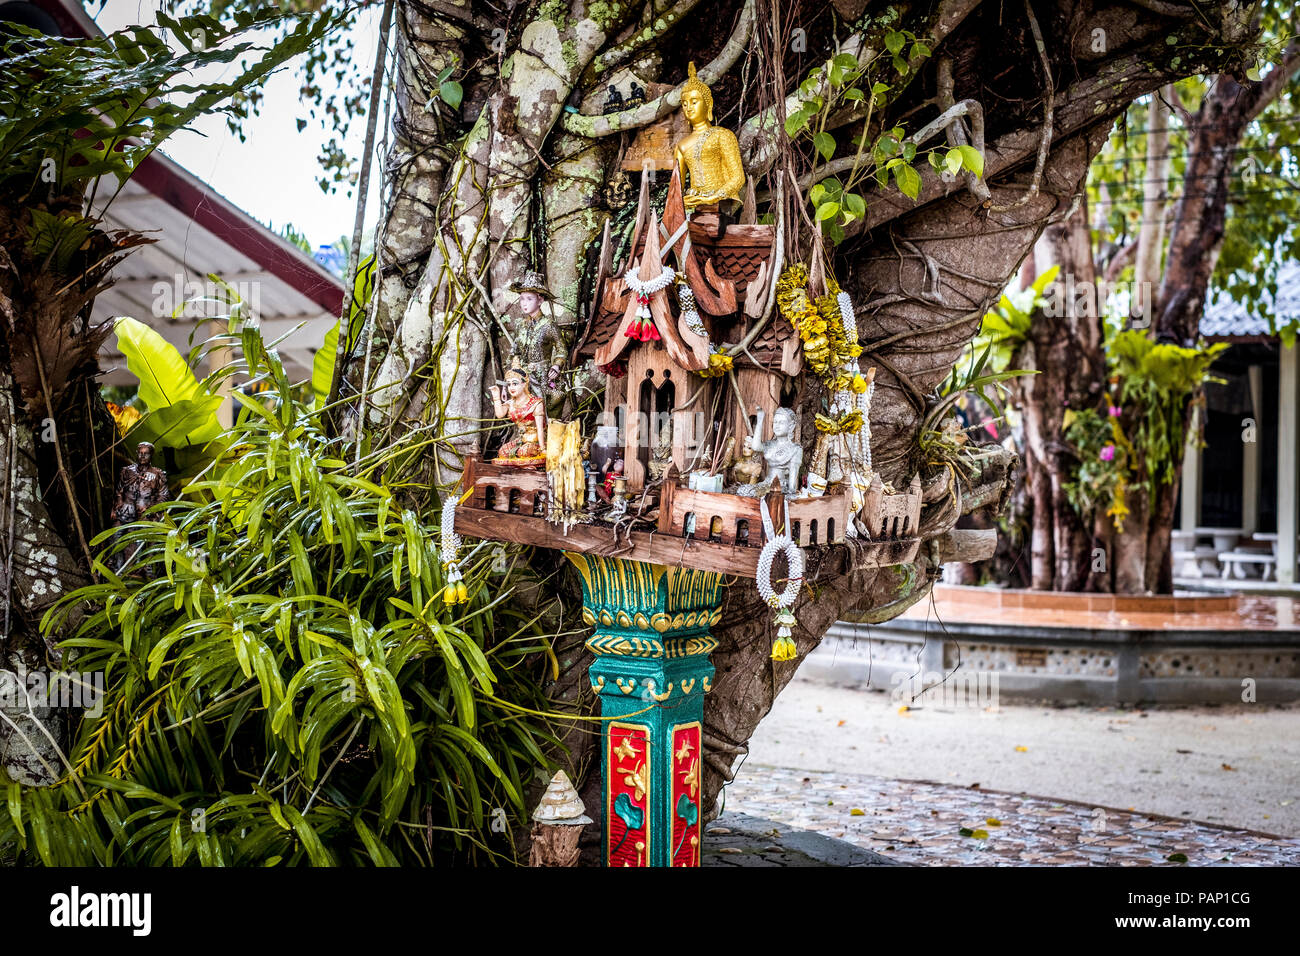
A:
[(651, 334)]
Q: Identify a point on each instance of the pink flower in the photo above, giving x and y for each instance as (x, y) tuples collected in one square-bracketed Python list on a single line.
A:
[(1114, 411), (1108, 453)]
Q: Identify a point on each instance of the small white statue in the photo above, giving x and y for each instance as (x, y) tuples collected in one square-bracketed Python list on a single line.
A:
[(782, 453)]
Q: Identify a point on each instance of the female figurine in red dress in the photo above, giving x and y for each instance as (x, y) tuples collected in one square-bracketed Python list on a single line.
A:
[(515, 400)]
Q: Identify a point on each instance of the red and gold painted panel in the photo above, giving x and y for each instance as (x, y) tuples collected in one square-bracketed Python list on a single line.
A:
[(685, 795), (627, 814)]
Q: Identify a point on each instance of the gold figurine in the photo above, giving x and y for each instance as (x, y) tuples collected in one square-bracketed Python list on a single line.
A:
[(709, 158)]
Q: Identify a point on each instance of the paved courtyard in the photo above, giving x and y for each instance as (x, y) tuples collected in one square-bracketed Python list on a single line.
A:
[(929, 824), (1029, 784)]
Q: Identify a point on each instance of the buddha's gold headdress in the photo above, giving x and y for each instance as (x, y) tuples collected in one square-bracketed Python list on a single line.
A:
[(693, 82)]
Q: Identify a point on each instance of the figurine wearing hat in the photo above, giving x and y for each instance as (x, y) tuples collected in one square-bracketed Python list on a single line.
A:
[(538, 345)]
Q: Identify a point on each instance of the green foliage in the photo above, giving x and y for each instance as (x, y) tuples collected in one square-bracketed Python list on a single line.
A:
[(1137, 442), (73, 111), (322, 367), (1158, 380), (840, 83), (977, 378), (279, 665), (1100, 478), (1262, 220), (1005, 328), (181, 411)]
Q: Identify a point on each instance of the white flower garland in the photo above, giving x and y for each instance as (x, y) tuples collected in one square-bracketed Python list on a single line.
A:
[(861, 442), (456, 592), (643, 290), (783, 648)]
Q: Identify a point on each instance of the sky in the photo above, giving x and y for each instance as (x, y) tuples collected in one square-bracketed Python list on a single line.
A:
[(272, 175)]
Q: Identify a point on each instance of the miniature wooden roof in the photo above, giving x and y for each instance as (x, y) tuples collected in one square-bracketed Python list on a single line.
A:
[(728, 273)]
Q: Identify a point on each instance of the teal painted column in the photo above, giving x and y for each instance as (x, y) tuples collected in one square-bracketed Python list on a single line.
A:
[(652, 642)]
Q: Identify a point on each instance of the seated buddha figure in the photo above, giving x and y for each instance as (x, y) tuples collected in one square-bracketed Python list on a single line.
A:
[(709, 158)]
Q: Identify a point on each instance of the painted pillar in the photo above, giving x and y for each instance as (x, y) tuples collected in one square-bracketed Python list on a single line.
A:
[(652, 670), (1191, 490), (1288, 409), (1250, 473)]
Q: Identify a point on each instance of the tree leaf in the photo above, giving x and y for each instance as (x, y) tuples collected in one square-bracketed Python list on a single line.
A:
[(972, 158), (825, 144), (909, 181), (451, 93), (827, 210)]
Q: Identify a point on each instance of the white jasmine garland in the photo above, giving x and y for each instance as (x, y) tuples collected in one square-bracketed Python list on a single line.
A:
[(643, 290)]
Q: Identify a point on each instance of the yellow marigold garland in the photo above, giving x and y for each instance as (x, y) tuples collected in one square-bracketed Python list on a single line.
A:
[(826, 347)]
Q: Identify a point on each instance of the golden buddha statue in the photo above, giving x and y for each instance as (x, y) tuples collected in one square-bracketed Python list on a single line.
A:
[(709, 158)]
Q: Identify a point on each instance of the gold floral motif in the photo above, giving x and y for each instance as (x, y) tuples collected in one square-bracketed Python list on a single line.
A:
[(691, 779), (588, 618), (626, 750), (638, 778), (687, 685), (708, 684), (598, 684), (685, 749)]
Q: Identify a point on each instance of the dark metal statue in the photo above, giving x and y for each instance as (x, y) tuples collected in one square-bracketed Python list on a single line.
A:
[(139, 486)]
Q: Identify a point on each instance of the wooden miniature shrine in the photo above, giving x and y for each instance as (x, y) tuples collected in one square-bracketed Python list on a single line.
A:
[(693, 475)]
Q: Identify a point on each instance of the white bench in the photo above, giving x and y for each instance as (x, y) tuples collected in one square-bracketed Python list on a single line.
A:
[(1195, 562), (1237, 560)]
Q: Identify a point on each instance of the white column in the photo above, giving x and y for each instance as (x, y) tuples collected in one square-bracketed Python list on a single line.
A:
[(1191, 487), (220, 357), (1250, 473), (1288, 411)]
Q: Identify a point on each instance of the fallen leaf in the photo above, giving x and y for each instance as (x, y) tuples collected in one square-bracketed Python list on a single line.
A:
[(857, 812), (1022, 750), (1177, 858), (973, 786), (904, 709), (1287, 803), (1227, 766), (981, 834), (1180, 751), (713, 830), (966, 831), (993, 822), (839, 723), (730, 849)]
